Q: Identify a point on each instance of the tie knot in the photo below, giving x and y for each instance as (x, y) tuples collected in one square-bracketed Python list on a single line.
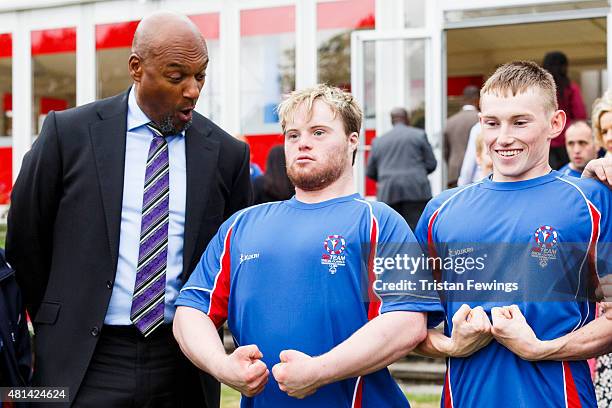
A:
[(156, 130)]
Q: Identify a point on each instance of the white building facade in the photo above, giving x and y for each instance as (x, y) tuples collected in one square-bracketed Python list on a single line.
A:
[(419, 54)]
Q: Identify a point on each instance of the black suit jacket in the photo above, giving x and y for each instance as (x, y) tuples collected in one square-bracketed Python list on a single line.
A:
[(64, 223)]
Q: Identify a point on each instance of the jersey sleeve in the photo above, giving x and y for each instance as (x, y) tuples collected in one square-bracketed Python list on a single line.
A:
[(603, 255), (401, 269), (208, 287)]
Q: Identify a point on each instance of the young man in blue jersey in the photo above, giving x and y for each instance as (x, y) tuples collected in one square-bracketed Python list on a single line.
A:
[(581, 148), (294, 279), (543, 239)]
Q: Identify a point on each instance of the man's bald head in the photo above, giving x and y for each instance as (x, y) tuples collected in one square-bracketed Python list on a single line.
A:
[(162, 29), (168, 65), (399, 115)]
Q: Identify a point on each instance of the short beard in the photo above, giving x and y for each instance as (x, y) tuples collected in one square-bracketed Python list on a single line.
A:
[(317, 179), (167, 126)]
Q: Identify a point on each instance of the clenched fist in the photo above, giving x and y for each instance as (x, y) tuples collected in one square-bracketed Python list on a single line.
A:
[(511, 329), (297, 374), (244, 371), (471, 331)]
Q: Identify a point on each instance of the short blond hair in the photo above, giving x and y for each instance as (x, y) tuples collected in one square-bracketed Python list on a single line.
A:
[(340, 102), (518, 77), (600, 106)]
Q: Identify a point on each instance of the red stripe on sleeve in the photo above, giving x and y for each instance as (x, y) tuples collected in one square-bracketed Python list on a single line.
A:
[(220, 294)]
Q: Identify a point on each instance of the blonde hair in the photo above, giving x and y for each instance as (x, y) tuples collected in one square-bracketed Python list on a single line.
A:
[(518, 77), (479, 144), (600, 106), (340, 102)]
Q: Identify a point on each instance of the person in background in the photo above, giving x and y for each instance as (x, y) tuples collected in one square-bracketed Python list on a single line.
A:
[(274, 184), (254, 169), (457, 133), (483, 158), (570, 101), (602, 123), (581, 148), (15, 347), (469, 168), (400, 161)]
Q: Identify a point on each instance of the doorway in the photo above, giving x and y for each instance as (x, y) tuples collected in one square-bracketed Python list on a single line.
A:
[(474, 53)]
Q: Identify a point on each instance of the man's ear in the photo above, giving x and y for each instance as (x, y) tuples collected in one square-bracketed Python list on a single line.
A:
[(353, 140), (557, 123), (135, 67)]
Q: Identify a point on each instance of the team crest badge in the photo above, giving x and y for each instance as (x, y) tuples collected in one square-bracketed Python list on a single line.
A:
[(334, 257), (546, 238)]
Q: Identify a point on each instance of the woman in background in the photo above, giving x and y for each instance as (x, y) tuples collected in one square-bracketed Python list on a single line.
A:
[(602, 122), (273, 185), (485, 163), (569, 99)]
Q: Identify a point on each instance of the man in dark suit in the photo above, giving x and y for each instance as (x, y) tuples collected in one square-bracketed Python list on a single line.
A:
[(400, 161), (111, 211), (457, 133)]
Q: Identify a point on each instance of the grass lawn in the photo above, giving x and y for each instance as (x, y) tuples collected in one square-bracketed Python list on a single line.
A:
[(231, 399), (2, 235)]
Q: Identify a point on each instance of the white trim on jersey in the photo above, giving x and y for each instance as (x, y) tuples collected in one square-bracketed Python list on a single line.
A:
[(564, 384), (438, 210), (373, 219), (593, 241), (355, 391), (196, 288), (450, 387)]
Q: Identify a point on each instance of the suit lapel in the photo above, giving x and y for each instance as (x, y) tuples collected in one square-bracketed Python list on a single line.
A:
[(201, 153), (108, 138)]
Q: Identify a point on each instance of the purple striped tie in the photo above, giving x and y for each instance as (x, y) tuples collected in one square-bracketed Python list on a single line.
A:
[(147, 311)]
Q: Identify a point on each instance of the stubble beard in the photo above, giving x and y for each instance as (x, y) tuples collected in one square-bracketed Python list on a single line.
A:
[(316, 179)]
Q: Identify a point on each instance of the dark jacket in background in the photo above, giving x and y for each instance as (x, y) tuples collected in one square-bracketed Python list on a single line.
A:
[(15, 350), (456, 136), (400, 161)]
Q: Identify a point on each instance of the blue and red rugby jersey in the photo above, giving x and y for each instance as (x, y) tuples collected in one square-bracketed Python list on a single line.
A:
[(541, 244), (291, 275)]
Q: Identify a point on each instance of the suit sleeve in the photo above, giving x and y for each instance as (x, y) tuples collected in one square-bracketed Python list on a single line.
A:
[(241, 195), (428, 156), (446, 145), (34, 203), (400, 268), (208, 287), (372, 167)]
